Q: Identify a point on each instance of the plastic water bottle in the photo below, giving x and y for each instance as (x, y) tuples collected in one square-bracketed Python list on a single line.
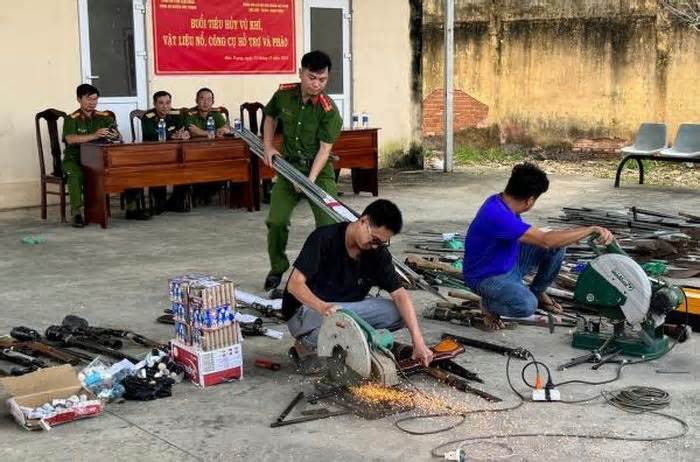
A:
[(365, 120), (237, 125), (211, 127), (161, 130), (355, 120)]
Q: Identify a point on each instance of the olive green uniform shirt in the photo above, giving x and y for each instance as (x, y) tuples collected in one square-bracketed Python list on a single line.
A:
[(77, 123), (193, 118), (149, 124), (304, 125)]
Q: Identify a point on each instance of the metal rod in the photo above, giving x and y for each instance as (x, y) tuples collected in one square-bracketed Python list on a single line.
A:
[(449, 85), (502, 349), (335, 209), (289, 408)]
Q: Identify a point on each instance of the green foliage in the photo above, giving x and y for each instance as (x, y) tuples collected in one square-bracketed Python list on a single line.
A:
[(400, 155), (472, 155)]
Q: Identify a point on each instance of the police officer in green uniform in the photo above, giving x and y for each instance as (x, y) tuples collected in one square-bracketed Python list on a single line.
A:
[(197, 125), (162, 109), (197, 117), (174, 130), (310, 125), (83, 126)]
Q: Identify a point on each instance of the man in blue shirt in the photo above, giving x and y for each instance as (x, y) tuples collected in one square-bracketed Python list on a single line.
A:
[(500, 249)]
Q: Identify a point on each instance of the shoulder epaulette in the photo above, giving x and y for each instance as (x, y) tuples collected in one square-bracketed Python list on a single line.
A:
[(75, 114), (193, 111), (150, 114), (326, 103), (103, 113), (215, 109), (288, 86), (174, 112)]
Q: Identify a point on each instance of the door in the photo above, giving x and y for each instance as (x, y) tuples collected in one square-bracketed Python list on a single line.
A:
[(327, 28), (113, 55)]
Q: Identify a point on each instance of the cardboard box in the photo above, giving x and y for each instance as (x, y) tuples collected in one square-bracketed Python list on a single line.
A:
[(34, 389), (207, 368)]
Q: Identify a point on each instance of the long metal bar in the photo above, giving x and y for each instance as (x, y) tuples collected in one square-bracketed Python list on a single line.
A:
[(333, 207), (448, 120), (502, 349)]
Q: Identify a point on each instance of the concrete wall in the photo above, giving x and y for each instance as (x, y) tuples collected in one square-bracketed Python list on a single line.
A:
[(42, 43), (560, 70), (382, 54), (42, 67)]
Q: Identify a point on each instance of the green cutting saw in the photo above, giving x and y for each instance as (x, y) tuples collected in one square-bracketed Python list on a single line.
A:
[(355, 351), (617, 288)]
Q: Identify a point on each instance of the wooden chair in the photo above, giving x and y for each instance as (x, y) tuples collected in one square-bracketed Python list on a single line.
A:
[(135, 114), (252, 109), (51, 117), (224, 111)]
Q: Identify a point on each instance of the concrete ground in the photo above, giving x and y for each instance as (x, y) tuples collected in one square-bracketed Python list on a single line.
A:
[(117, 277)]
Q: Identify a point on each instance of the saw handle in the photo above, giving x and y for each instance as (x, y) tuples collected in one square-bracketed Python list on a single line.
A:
[(613, 247), (378, 338)]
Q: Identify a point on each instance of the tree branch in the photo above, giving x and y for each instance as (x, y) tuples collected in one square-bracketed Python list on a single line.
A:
[(687, 11)]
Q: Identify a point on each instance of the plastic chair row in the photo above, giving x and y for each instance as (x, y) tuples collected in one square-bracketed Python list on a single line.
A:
[(650, 143)]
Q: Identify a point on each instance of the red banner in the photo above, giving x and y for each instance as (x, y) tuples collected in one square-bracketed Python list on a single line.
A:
[(224, 36)]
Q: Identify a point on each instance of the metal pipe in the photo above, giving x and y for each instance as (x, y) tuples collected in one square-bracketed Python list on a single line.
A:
[(335, 209)]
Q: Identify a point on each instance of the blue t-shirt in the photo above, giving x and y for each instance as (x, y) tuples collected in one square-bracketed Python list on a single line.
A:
[(491, 245)]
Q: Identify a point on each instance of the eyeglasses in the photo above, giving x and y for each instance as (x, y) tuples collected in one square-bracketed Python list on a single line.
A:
[(375, 241)]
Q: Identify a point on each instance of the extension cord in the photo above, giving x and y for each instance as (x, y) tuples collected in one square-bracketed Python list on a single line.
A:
[(546, 394)]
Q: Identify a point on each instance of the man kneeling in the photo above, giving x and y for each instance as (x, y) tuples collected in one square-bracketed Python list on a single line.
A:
[(337, 267), (500, 249)]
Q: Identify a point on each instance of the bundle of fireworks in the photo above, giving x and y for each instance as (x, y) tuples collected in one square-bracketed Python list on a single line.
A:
[(204, 311), (207, 332)]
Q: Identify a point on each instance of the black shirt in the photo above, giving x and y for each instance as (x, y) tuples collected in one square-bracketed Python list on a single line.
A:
[(333, 276)]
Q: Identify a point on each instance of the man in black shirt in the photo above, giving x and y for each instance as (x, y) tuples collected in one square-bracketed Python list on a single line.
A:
[(337, 267)]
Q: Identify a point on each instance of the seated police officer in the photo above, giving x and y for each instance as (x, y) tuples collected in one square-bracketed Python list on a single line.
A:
[(196, 123), (174, 130), (197, 117), (84, 125)]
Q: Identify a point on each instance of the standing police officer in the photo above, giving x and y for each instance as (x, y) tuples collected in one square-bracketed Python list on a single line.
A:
[(310, 125)]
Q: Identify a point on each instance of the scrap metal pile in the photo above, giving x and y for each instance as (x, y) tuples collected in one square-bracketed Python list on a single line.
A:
[(665, 245)]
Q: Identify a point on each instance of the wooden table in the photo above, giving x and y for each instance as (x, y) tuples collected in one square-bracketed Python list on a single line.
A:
[(357, 150), (112, 168)]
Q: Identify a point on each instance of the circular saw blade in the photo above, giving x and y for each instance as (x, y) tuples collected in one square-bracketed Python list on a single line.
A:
[(340, 332), (629, 279)]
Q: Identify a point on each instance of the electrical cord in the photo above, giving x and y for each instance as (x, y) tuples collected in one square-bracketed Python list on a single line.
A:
[(634, 399), (631, 399), (463, 414)]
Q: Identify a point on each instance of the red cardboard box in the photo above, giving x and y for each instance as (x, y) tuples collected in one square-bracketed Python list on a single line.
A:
[(207, 368), (34, 389)]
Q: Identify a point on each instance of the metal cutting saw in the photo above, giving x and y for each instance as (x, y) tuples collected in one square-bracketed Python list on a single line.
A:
[(354, 350), (616, 287)]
